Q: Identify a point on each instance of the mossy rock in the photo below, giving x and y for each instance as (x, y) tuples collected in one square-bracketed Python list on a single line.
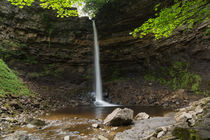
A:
[(10, 83), (36, 122), (186, 134)]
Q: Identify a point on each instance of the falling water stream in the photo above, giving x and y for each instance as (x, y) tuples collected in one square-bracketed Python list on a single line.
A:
[(98, 82), (76, 122)]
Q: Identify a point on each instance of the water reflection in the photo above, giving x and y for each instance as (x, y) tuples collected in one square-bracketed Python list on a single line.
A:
[(98, 112), (93, 112)]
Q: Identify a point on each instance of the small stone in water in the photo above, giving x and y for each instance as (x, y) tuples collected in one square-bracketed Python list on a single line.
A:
[(114, 128), (67, 138), (142, 116), (30, 126), (95, 125)]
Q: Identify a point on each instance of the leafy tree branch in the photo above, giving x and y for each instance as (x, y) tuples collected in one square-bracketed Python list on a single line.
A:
[(181, 13)]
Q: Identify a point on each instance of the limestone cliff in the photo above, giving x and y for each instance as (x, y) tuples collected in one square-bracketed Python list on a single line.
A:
[(127, 59), (55, 56)]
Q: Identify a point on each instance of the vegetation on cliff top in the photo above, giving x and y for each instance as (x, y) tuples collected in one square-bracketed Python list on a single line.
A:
[(9, 82), (184, 12), (65, 8)]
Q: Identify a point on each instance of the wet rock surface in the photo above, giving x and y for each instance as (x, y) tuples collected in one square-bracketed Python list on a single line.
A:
[(54, 56), (145, 128), (78, 128), (119, 117), (172, 127), (18, 111), (203, 124), (21, 135)]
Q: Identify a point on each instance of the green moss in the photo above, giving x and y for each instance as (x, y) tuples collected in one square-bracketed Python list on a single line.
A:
[(49, 70), (176, 76), (207, 32), (9, 82), (10, 49), (186, 134)]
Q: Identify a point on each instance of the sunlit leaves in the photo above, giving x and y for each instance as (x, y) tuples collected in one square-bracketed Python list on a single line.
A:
[(21, 3), (64, 8), (181, 13)]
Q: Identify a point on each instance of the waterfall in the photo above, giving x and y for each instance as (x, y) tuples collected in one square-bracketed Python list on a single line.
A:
[(98, 82)]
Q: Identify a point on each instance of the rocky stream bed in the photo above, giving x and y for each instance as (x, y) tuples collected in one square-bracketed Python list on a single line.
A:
[(31, 119)]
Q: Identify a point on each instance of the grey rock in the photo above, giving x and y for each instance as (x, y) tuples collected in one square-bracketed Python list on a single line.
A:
[(182, 116), (160, 134), (144, 129), (67, 138), (114, 128), (142, 116), (94, 138), (198, 109), (36, 122), (119, 117), (95, 125), (21, 135), (30, 126), (100, 137)]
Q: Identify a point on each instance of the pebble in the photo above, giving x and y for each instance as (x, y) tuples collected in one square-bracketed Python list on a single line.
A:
[(114, 128), (67, 138), (95, 125), (142, 116), (100, 137), (198, 109), (30, 126), (160, 134)]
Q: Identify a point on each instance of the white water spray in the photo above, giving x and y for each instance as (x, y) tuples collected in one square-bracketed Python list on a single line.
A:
[(98, 82)]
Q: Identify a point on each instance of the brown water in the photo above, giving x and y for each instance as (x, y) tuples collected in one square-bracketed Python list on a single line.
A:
[(93, 112), (77, 122)]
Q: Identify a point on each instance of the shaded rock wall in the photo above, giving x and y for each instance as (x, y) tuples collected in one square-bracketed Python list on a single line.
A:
[(127, 59), (56, 55), (50, 38), (53, 55)]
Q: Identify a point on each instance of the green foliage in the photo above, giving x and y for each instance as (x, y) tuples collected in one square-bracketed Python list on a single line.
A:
[(9, 82), (186, 134), (176, 76), (207, 32), (92, 6), (9, 48), (63, 7), (181, 13)]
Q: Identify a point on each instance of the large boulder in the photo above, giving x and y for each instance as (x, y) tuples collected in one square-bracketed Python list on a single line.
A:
[(119, 117)]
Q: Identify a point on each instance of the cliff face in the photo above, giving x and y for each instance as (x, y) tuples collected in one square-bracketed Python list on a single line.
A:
[(128, 59), (55, 56), (48, 37)]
